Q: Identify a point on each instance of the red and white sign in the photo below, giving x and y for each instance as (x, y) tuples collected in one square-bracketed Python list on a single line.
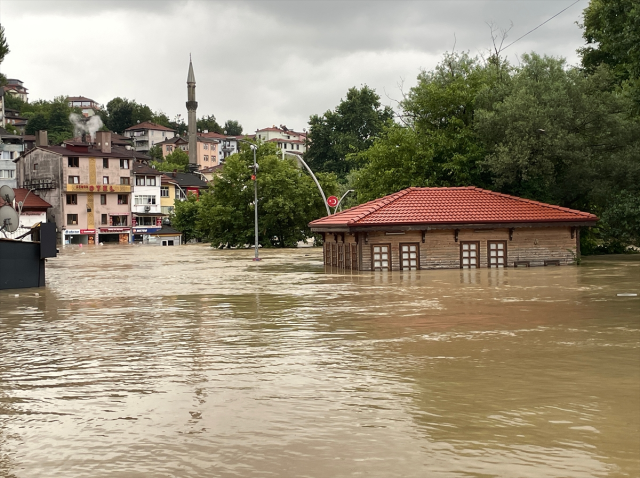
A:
[(87, 231), (332, 201), (115, 229)]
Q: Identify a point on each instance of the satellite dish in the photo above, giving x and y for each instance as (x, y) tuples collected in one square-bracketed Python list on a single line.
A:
[(9, 220), (6, 193)]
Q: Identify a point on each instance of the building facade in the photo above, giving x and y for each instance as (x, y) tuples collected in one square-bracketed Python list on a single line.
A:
[(287, 140), (11, 146), (88, 186), (16, 87), (146, 209), (465, 227), (88, 106), (147, 134)]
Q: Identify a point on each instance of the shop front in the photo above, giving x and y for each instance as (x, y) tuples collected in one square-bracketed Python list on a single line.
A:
[(79, 236), (145, 226), (114, 235)]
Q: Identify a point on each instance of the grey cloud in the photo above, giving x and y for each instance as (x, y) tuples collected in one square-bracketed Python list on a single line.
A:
[(260, 62)]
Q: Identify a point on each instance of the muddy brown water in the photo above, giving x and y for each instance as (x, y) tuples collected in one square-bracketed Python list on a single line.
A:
[(190, 362)]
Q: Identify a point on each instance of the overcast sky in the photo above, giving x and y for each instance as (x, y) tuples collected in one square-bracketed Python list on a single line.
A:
[(260, 62)]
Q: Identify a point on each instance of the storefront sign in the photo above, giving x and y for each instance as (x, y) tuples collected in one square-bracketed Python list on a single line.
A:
[(114, 229), (87, 231), (70, 232), (102, 188), (140, 230)]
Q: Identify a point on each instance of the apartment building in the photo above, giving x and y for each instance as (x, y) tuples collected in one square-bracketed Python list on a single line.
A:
[(288, 141), (145, 135), (88, 186)]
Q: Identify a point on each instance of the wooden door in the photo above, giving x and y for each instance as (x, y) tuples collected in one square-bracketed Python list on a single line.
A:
[(497, 253), (381, 257), (410, 256), (469, 255), (354, 257)]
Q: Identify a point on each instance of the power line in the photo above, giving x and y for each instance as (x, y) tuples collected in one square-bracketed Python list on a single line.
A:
[(530, 31)]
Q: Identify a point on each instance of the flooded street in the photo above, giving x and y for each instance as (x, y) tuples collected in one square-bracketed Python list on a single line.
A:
[(191, 362)]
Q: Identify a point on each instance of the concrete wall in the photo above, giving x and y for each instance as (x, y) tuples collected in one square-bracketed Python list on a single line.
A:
[(440, 249)]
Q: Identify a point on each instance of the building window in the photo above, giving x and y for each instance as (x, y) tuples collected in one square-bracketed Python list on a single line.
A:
[(180, 194), (298, 147), (354, 257), (105, 179), (139, 180), (409, 257), (164, 191), (7, 173), (119, 220), (147, 221), (341, 256), (144, 200), (123, 199), (105, 163), (206, 146), (104, 220), (103, 199), (74, 179), (126, 181), (151, 180), (381, 257), (124, 164), (35, 166), (72, 219), (72, 199), (206, 158), (469, 255), (497, 251), (73, 162), (169, 149)]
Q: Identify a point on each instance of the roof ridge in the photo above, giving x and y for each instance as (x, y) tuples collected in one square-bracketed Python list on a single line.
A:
[(538, 203)]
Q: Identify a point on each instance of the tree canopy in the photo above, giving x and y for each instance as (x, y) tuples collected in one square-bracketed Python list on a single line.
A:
[(232, 128), (287, 200), (350, 128), (177, 160), (52, 116), (208, 123), (4, 51)]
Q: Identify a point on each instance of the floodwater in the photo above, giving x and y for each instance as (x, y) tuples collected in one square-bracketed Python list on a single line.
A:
[(141, 361)]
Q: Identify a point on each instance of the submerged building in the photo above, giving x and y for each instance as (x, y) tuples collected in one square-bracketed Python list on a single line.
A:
[(459, 227)]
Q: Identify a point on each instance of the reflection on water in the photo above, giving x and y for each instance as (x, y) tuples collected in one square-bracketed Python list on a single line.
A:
[(139, 362)]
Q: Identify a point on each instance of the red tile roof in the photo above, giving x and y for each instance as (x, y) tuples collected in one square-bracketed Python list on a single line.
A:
[(148, 125), (32, 202), (459, 205)]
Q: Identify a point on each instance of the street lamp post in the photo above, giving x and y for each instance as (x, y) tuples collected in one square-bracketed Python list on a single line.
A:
[(255, 195), (255, 199)]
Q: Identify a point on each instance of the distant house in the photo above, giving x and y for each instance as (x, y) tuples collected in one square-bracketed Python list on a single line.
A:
[(459, 227), (228, 145), (287, 140), (16, 87), (145, 135), (207, 154), (88, 106), (32, 209), (212, 171), (11, 146), (13, 117)]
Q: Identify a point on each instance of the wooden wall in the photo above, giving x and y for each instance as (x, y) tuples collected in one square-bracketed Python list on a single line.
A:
[(441, 251)]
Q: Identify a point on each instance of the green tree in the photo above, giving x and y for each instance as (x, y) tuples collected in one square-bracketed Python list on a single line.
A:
[(557, 135), (185, 217), (288, 201), (612, 33), (52, 116), (156, 152), (122, 113), (350, 128), (4, 51), (232, 128), (437, 145), (178, 160), (208, 123)]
